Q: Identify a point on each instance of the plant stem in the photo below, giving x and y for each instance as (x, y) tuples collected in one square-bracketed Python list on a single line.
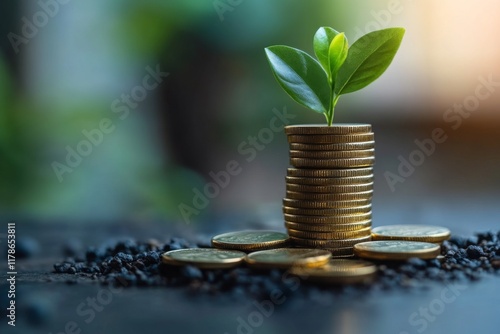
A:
[(331, 112), (327, 116)]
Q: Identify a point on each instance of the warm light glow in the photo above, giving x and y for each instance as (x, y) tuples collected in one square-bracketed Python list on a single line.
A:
[(463, 43), (448, 45)]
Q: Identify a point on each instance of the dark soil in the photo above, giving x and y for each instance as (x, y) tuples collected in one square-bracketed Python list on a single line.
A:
[(134, 263)]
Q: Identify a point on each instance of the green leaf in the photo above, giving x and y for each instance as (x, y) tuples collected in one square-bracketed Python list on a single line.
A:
[(301, 76), (337, 54), (367, 59), (322, 40)]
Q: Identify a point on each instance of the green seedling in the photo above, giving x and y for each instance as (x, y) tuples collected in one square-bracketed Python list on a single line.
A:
[(340, 69)]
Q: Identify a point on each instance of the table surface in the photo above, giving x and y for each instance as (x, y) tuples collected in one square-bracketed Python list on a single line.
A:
[(463, 308)]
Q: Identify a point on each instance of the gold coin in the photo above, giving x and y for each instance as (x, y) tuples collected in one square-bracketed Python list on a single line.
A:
[(370, 153), (341, 251), (325, 205), (330, 235), (424, 233), (363, 145), (332, 163), (329, 227), (250, 240), (346, 172), (327, 212), (328, 243), (340, 219), (341, 172), (348, 256), (396, 250), (331, 139), (208, 258), (329, 197), (339, 271), (288, 257), (345, 188), (321, 129), (326, 181)]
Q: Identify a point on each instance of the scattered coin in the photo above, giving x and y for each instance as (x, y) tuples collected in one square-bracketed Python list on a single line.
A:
[(349, 256), (288, 257), (337, 235), (363, 145), (350, 188), (341, 252), (396, 250), (333, 154), (329, 197), (340, 219), (325, 204), (331, 139), (346, 172), (325, 181), (321, 129), (250, 240), (339, 271), (329, 227), (207, 258), (327, 212), (424, 233), (328, 243), (332, 163)]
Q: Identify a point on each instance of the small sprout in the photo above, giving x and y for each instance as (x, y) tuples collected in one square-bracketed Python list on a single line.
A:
[(340, 69)]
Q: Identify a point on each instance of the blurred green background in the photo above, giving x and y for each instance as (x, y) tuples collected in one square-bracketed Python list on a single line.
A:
[(63, 64)]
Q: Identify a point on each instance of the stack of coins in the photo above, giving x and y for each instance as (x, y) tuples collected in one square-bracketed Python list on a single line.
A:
[(330, 187)]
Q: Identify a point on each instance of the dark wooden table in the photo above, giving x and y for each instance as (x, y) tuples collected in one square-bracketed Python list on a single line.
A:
[(64, 308)]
